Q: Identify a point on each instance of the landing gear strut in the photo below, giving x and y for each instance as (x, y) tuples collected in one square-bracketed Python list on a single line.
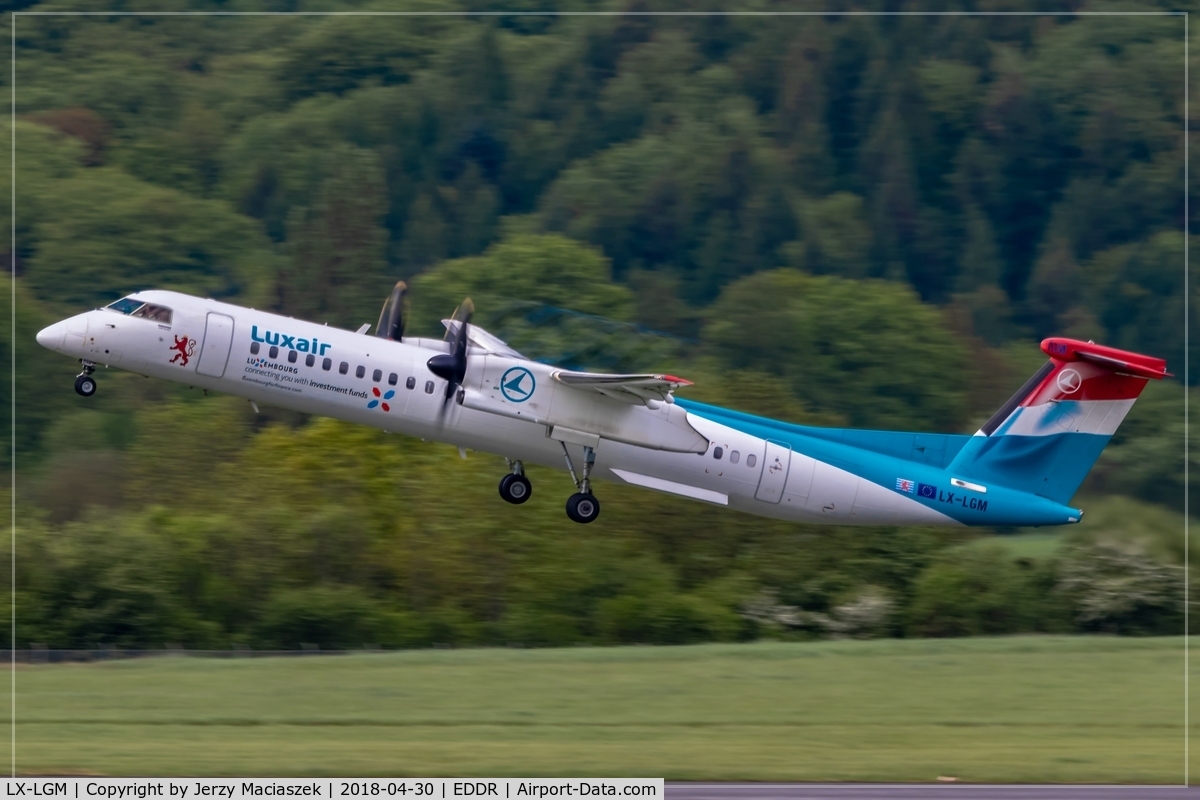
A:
[(85, 384), (515, 487), (582, 507)]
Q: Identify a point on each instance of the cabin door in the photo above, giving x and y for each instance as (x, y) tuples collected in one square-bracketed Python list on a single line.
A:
[(214, 354), (775, 471)]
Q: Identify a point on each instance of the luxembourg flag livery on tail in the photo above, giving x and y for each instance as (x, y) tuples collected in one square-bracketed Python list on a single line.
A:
[(472, 390)]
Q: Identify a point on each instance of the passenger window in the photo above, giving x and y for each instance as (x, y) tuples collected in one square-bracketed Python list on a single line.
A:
[(254, 348), (327, 364), (750, 459), (733, 457), (292, 356), (273, 352), (154, 313), (392, 379), (359, 371), (309, 360), (411, 383), (428, 387), (343, 368), (377, 375), (717, 453)]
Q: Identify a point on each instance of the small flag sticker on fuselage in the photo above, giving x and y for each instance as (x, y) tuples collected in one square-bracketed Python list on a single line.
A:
[(904, 485)]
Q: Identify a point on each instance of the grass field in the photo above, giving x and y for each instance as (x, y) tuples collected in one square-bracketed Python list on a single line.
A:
[(1088, 709)]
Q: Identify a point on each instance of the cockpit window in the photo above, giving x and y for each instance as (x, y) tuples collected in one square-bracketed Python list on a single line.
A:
[(126, 305), (154, 313)]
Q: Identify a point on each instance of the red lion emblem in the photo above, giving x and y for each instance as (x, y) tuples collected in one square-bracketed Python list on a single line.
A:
[(183, 347)]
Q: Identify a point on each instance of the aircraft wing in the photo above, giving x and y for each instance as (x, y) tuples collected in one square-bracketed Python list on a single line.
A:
[(633, 389)]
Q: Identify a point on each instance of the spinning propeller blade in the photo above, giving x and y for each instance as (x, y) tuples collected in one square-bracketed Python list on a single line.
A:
[(391, 318), (452, 367)]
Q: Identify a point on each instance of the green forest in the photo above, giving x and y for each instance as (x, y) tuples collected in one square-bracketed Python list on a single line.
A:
[(842, 219)]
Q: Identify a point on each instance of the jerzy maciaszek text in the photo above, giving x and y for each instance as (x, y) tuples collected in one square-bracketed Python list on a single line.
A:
[(117, 791)]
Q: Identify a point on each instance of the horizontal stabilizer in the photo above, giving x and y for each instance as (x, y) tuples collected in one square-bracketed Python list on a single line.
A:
[(1119, 361)]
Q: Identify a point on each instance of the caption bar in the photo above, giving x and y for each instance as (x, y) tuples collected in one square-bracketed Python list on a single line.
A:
[(419, 788)]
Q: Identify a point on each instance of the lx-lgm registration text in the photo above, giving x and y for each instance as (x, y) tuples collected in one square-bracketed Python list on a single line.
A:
[(44, 789)]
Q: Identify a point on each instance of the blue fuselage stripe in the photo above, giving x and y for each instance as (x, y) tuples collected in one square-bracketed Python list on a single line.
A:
[(1000, 505)]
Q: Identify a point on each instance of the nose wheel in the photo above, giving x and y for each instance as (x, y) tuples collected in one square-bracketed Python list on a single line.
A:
[(85, 384)]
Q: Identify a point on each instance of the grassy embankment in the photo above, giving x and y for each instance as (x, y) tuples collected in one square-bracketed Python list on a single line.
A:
[(1012, 709)]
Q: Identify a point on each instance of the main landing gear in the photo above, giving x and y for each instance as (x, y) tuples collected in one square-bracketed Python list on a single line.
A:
[(515, 488), (582, 507), (85, 384)]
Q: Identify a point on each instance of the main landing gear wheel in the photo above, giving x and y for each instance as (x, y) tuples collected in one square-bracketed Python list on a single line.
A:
[(583, 508), (515, 489)]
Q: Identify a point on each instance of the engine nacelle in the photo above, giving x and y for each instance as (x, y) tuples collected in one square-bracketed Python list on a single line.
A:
[(526, 390)]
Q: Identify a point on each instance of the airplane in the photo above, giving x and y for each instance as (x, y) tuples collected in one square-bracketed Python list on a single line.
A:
[(471, 390)]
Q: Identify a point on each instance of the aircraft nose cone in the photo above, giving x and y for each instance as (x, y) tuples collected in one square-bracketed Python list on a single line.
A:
[(51, 337)]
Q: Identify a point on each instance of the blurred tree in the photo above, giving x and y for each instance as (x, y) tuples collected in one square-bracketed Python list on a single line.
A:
[(1116, 591), (837, 344), (336, 54), (1145, 456), (80, 123), (983, 592), (108, 580), (339, 617), (110, 235), (201, 434), (337, 270), (837, 239), (1137, 293), (35, 407), (547, 295)]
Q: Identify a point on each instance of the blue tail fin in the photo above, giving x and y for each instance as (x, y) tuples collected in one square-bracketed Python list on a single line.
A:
[(1046, 438)]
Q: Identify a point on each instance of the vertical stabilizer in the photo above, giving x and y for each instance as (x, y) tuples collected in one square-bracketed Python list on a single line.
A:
[(1047, 437)]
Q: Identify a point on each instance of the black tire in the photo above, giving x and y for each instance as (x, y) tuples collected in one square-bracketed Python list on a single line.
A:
[(85, 385), (515, 489), (583, 508)]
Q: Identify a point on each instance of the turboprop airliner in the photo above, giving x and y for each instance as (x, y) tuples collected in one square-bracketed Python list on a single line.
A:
[(472, 390)]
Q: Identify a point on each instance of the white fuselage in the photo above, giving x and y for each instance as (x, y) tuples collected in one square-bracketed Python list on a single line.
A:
[(317, 369)]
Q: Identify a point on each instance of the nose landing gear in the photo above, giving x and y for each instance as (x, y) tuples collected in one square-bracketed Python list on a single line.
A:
[(515, 488), (85, 384)]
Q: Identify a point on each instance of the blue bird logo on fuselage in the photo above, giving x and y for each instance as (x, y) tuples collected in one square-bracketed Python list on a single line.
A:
[(517, 384)]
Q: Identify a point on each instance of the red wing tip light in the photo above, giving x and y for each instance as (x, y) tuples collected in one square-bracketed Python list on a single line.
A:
[(679, 381)]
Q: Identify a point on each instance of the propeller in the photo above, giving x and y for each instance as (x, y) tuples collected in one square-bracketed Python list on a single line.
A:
[(391, 318), (452, 367)]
